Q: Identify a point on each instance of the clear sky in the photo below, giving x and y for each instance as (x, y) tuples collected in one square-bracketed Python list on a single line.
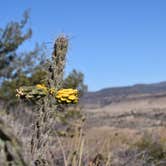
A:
[(113, 42)]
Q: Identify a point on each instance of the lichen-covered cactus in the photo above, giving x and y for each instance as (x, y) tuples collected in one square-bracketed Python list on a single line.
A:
[(49, 99), (59, 60)]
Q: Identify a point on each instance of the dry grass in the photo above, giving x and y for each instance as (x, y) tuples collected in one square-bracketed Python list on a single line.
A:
[(100, 142), (105, 145)]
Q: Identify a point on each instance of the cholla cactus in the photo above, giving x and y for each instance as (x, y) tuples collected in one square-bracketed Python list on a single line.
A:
[(50, 98), (58, 61)]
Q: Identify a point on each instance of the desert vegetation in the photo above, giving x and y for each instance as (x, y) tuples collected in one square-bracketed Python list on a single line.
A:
[(47, 119)]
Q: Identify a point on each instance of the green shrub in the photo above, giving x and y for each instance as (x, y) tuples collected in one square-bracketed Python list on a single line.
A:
[(152, 148)]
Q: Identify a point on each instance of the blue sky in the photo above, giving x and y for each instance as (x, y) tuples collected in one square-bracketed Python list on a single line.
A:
[(113, 42)]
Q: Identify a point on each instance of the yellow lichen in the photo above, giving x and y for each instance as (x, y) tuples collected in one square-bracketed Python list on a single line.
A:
[(67, 96), (41, 86)]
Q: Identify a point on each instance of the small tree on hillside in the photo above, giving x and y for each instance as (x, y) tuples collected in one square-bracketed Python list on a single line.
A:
[(75, 80)]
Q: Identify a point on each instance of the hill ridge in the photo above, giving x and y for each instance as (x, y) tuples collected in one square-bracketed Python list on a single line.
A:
[(106, 96)]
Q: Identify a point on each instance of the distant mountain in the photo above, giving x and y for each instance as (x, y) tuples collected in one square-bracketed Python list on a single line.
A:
[(108, 95)]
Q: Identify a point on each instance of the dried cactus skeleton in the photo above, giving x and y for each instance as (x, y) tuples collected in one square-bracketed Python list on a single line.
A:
[(46, 115), (50, 99), (59, 60), (54, 77)]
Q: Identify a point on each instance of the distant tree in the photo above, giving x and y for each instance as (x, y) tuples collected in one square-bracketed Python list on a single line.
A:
[(17, 69), (75, 80), (11, 37)]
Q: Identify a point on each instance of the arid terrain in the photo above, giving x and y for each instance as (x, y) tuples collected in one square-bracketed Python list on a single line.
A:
[(121, 116), (123, 126), (135, 107)]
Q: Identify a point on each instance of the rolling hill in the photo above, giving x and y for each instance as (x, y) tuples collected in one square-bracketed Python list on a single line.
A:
[(107, 96)]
